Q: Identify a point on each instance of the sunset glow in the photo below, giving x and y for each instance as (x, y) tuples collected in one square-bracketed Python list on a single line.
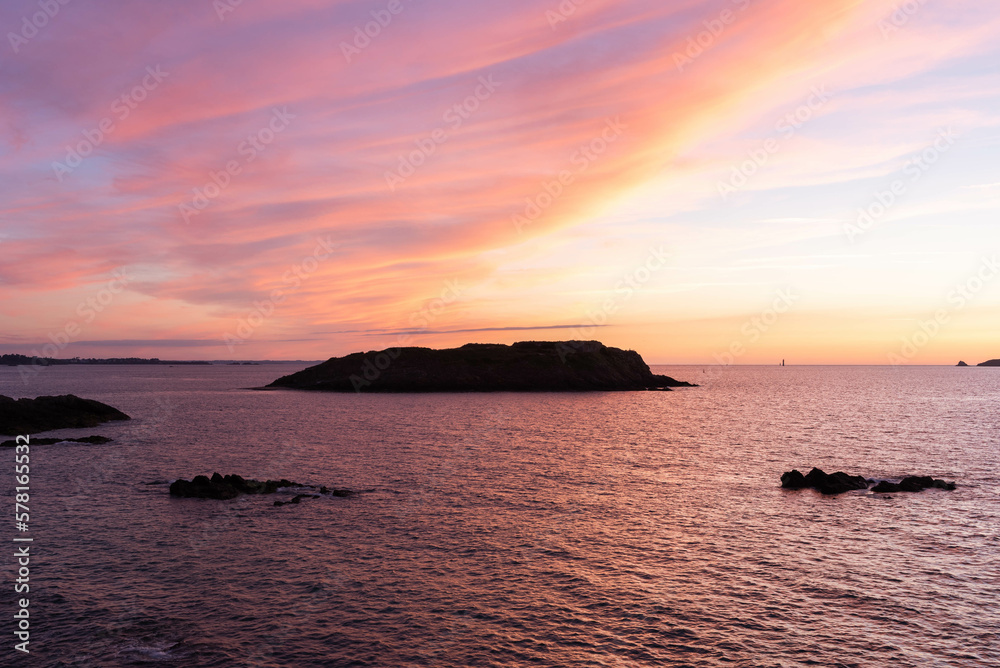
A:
[(704, 182)]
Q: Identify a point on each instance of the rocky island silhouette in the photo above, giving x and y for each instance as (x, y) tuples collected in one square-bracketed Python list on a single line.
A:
[(528, 366)]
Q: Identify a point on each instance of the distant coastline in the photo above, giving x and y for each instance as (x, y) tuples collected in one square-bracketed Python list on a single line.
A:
[(24, 360)]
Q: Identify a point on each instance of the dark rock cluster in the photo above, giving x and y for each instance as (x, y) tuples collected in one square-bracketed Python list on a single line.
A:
[(840, 482), (913, 483), (30, 416), (826, 483), (231, 486)]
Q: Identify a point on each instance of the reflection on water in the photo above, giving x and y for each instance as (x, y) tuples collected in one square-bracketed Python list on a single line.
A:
[(634, 529)]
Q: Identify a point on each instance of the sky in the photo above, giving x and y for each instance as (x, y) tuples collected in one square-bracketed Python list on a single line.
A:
[(725, 182)]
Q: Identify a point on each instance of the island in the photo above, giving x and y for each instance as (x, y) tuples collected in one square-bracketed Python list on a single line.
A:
[(527, 366), (961, 363), (989, 363), (31, 416)]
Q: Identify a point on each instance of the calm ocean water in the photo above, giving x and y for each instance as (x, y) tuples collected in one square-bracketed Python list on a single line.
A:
[(618, 529)]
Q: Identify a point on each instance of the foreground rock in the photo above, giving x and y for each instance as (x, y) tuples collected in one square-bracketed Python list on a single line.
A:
[(529, 366), (912, 484), (826, 483), (31, 416), (231, 486), (89, 440), (840, 482)]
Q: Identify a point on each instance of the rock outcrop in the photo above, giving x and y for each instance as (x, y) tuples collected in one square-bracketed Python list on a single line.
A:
[(840, 482), (912, 483), (529, 366), (961, 364), (31, 416), (231, 486), (825, 483)]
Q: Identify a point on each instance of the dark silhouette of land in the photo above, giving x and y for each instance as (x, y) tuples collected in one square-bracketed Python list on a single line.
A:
[(24, 360), (30, 416), (989, 363), (528, 366)]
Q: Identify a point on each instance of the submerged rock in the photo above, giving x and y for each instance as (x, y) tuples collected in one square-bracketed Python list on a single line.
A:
[(231, 486), (840, 482), (31, 416), (297, 498), (528, 366)]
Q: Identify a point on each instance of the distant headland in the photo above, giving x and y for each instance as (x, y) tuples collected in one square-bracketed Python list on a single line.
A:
[(528, 366), (986, 363)]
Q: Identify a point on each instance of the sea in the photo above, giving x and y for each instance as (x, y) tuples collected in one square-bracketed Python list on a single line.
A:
[(514, 529)]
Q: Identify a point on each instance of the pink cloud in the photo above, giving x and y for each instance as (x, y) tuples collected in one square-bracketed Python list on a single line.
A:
[(599, 96)]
